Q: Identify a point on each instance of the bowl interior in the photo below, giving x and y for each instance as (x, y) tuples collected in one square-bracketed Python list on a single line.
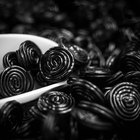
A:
[(11, 42)]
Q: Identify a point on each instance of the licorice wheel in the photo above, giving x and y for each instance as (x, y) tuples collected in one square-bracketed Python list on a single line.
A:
[(95, 72), (124, 99), (130, 62), (10, 59), (84, 90), (56, 64), (56, 101), (96, 75), (80, 55), (11, 116), (29, 55), (55, 108), (15, 80), (95, 116)]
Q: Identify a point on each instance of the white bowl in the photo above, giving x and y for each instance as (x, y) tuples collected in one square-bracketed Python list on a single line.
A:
[(11, 42)]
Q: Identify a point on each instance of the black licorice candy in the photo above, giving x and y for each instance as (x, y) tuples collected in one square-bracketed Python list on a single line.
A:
[(15, 80), (56, 64)]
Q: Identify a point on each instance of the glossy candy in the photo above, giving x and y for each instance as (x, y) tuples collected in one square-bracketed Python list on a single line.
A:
[(80, 55), (95, 116), (55, 107), (56, 64), (29, 55), (124, 99), (58, 102), (10, 59), (11, 116), (84, 90), (96, 75), (15, 80)]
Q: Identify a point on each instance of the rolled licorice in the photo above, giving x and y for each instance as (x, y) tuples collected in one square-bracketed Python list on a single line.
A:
[(96, 75), (29, 55), (85, 90), (80, 55), (93, 117), (58, 102), (15, 80), (10, 59), (56, 64), (11, 115), (124, 98), (58, 105)]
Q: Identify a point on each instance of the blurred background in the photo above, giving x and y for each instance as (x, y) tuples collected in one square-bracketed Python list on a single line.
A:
[(97, 20)]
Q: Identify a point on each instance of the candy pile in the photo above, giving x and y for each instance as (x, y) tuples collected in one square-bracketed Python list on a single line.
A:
[(99, 102), (98, 54)]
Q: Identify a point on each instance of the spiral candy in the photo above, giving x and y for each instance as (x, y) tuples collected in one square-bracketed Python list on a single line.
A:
[(15, 80), (11, 116), (124, 99), (10, 59), (80, 55), (95, 116), (29, 55), (58, 102), (84, 90), (56, 64)]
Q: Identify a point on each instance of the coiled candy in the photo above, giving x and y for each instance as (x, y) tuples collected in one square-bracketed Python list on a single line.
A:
[(96, 75), (95, 116), (84, 90), (56, 101), (29, 55), (80, 55), (56, 64), (11, 117), (15, 80), (10, 59), (124, 99)]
